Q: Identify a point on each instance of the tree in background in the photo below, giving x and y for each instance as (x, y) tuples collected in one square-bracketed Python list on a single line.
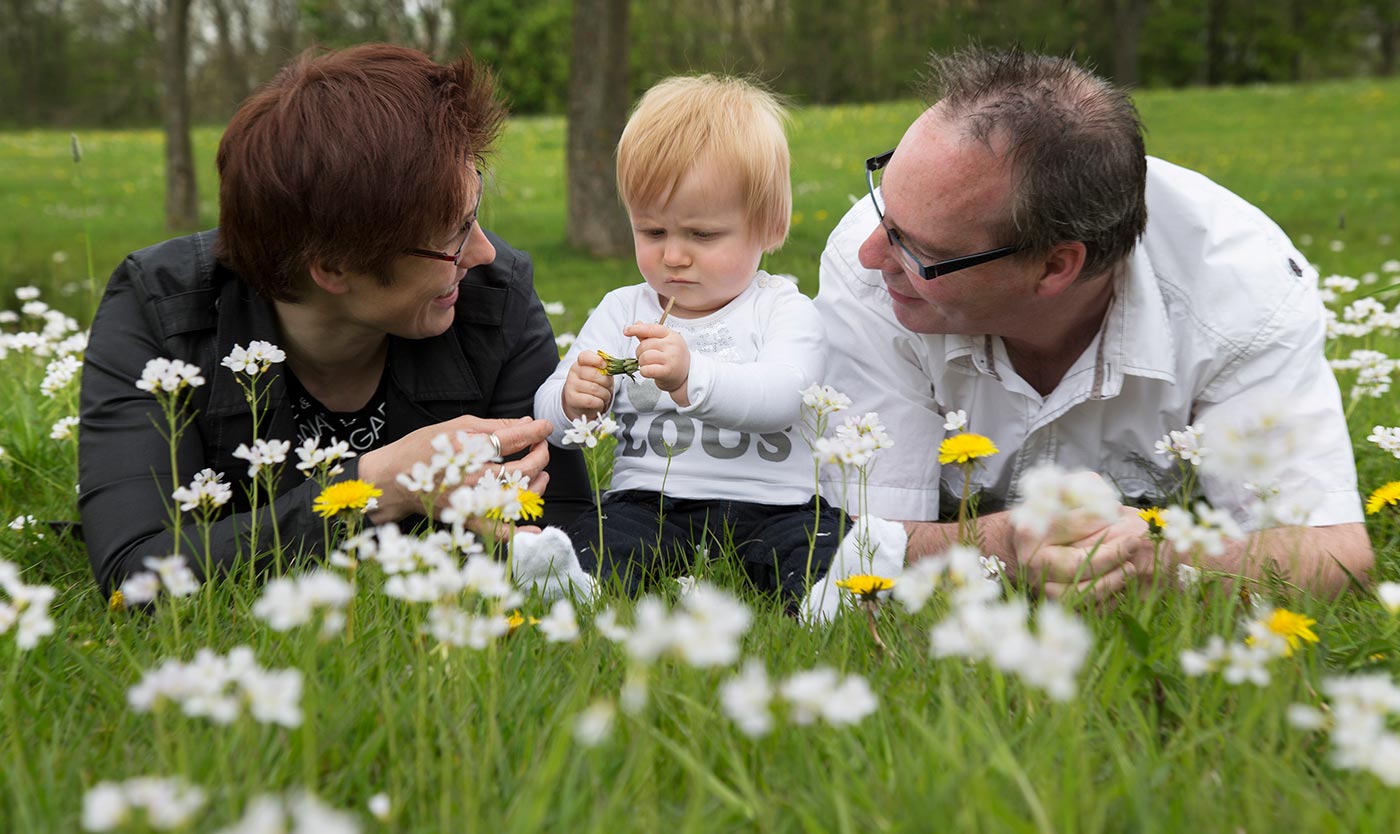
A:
[(181, 192), (598, 101)]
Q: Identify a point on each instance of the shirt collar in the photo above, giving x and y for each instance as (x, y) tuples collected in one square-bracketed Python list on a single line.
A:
[(1135, 338)]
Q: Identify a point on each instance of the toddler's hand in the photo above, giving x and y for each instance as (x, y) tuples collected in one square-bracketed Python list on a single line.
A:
[(664, 358), (587, 390)]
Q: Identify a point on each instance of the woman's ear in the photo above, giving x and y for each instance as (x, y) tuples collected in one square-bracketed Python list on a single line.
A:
[(330, 278)]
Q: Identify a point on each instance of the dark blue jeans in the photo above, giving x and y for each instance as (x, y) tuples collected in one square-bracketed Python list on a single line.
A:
[(647, 537)]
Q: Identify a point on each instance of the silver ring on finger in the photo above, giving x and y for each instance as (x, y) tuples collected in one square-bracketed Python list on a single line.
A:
[(495, 444)]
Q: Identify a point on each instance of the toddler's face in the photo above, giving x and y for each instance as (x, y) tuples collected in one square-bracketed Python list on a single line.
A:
[(695, 244)]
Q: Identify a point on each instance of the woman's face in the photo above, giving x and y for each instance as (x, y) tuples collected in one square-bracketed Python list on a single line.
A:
[(421, 301)]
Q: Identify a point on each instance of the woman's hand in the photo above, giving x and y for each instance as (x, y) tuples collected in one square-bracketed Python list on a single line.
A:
[(382, 466)]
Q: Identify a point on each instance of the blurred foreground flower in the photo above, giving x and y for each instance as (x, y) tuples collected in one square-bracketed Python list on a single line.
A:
[(166, 803), (269, 815), (26, 610), (1386, 496)]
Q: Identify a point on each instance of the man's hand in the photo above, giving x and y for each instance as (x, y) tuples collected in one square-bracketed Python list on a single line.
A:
[(587, 390), (664, 358), (1083, 555)]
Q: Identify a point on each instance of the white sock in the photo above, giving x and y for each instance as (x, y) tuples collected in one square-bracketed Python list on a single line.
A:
[(873, 546), (546, 561)]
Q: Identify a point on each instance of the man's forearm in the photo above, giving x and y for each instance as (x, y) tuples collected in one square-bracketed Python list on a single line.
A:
[(1323, 560), (930, 538)]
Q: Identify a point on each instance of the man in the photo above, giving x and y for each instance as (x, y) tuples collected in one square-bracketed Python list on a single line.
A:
[(1021, 259)]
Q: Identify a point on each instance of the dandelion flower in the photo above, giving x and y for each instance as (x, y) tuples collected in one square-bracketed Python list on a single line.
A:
[(865, 586), (619, 367), (117, 601), (965, 448), (1292, 627), (1388, 495), (345, 495), (1153, 517)]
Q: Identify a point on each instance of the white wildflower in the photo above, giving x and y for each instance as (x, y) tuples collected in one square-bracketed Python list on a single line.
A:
[(1053, 499), (175, 574), (206, 492), (58, 374), (1389, 595), (955, 420), (560, 625), (747, 699), (256, 359), (594, 725), (824, 400), (169, 376), (263, 454), (63, 429)]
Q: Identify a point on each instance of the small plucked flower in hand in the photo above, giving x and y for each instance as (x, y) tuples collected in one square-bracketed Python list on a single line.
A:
[(965, 448), (346, 495), (1386, 496), (619, 367)]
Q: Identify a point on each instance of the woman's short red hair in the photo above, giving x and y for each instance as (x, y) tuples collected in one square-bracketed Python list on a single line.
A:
[(345, 158)]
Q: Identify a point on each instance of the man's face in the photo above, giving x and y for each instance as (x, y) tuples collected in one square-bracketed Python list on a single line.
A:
[(945, 195)]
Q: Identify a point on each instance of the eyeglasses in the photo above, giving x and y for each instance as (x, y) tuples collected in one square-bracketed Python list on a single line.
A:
[(926, 271), (456, 256)]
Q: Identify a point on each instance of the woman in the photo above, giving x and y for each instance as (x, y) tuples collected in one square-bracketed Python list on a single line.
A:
[(349, 192)]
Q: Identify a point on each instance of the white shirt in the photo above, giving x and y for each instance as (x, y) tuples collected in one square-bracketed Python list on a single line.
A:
[(1215, 321), (740, 436)]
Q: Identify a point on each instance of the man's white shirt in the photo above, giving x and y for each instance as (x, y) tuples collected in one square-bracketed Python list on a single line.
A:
[(1215, 322), (739, 438)]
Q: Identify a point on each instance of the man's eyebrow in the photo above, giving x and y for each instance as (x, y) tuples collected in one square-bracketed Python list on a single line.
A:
[(936, 253)]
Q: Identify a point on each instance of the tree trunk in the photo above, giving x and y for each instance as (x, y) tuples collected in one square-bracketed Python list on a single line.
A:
[(1389, 18), (181, 196), (598, 98), (1215, 42), (1128, 17), (231, 64)]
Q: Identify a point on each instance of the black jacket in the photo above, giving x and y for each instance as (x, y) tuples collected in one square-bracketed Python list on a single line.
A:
[(175, 300)]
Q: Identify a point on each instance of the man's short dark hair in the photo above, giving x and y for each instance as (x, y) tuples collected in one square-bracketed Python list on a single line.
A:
[(1074, 141), (346, 158)]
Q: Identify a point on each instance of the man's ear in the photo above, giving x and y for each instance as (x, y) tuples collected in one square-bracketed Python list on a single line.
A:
[(330, 278), (1063, 265)]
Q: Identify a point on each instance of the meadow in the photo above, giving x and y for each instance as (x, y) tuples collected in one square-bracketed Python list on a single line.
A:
[(545, 729)]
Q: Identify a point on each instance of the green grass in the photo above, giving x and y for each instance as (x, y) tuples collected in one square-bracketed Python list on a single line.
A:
[(483, 740)]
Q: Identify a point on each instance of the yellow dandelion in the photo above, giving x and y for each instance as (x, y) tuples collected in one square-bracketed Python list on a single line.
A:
[(531, 507), (117, 601), (619, 367), (1292, 627), (864, 585), (1153, 517), (1386, 495), (965, 448), (345, 495), (514, 621)]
